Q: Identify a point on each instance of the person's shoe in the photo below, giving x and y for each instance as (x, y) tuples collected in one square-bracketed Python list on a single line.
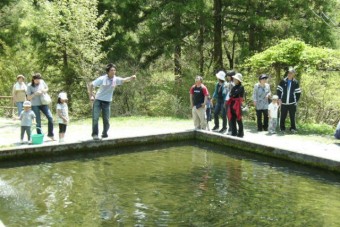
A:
[(282, 131), (215, 128), (293, 130), (259, 130), (240, 135), (229, 133), (51, 137), (104, 136), (22, 142), (223, 130), (95, 137)]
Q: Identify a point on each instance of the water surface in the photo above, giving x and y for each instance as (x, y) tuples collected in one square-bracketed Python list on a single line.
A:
[(185, 185)]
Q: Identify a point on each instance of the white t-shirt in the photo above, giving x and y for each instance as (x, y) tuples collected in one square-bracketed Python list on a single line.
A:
[(106, 87), (273, 110), (64, 112)]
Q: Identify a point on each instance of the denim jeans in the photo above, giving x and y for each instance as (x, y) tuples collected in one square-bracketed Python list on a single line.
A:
[(105, 108), (47, 112), (20, 107), (218, 107)]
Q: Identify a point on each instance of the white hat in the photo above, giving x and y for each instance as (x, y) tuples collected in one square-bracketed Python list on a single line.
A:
[(238, 76), (27, 104), (221, 75), (63, 96), (275, 97), (291, 70)]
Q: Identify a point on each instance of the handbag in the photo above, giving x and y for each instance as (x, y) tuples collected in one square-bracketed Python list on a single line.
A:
[(45, 99)]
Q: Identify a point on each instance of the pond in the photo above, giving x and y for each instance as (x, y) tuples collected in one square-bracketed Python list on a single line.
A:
[(182, 185)]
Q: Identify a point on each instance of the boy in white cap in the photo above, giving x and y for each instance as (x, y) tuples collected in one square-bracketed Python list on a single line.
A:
[(220, 96), (27, 117), (62, 112), (273, 109)]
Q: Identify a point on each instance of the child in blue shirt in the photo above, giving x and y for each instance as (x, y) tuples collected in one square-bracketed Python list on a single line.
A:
[(27, 117)]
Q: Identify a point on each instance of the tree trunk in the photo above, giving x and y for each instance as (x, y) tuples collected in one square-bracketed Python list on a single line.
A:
[(200, 46), (217, 56), (178, 49)]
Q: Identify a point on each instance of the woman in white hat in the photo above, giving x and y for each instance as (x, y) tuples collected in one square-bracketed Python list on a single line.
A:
[(19, 93), (234, 106), (220, 96)]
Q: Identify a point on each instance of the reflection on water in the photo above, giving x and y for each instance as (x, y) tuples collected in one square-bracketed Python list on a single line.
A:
[(182, 185)]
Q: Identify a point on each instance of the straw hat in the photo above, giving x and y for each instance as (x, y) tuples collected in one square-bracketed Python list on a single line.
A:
[(221, 75), (27, 104), (238, 76), (63, 95), (21, 76)]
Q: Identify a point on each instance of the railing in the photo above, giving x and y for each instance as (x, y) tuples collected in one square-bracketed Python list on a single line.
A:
[(7, 108)]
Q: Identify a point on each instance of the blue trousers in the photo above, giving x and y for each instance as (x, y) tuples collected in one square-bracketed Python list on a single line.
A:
[(47, 112), (20, 107), (218, 107), (105, 108)]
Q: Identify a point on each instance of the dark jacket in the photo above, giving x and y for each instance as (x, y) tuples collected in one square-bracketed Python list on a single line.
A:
[(288, 96), (223, 92)]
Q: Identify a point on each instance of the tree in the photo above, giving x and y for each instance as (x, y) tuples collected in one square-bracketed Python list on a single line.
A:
[(68, 35)]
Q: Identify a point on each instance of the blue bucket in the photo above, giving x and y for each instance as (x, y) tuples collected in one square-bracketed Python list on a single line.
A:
[(37, 138)]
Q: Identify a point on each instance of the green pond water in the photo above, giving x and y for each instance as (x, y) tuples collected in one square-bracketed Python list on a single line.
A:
[(182, 185)]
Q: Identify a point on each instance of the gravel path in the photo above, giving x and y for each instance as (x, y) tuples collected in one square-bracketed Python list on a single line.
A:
[(325, 147)]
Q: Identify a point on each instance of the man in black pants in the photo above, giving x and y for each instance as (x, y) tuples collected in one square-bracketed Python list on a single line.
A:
[(289, 94)]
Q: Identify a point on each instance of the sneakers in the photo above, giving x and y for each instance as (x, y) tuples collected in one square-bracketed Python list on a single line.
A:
[(293, 130), (215, 128), (223, 130), (95, 137)]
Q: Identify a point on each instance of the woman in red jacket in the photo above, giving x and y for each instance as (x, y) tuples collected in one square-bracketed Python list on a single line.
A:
[(234, 106)]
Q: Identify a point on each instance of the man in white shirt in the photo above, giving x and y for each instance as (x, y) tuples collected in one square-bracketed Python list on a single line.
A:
[(103, 98)]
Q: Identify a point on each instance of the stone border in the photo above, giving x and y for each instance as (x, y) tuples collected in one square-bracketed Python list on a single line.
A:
[(280, 153), (31, 151)]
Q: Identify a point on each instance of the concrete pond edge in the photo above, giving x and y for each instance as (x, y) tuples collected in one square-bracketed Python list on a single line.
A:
[(45, 150)]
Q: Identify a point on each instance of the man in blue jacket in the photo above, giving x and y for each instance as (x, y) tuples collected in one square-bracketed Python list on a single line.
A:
[(289, 94)]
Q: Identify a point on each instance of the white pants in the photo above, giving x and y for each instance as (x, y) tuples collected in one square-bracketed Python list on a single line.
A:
[(198, 116)]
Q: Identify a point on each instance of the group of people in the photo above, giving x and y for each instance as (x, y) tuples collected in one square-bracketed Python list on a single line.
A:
[(30, 100), (228, 94), (228, 99)]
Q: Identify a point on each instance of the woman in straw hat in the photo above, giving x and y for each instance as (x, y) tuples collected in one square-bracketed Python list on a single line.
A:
[(19, 93), (234, 106)]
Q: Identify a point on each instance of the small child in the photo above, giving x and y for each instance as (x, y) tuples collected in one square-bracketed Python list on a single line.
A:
[(62, 112), (209, 107), (27, 117), (273, 108)]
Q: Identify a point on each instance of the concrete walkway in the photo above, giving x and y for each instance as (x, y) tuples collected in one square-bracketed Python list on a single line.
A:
[(80, 131)]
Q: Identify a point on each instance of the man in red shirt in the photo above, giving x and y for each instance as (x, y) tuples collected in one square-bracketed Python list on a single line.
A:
[(198, 98)]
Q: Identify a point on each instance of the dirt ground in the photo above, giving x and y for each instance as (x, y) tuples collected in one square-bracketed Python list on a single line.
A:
[(327, 147)]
